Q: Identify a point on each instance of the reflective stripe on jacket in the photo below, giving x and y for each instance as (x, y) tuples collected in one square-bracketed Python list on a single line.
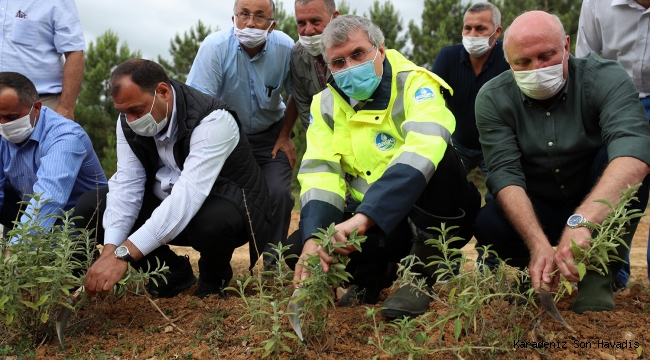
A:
[(386, 152)]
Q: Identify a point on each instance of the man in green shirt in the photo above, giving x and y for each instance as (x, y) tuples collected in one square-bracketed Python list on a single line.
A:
[(557, 133)]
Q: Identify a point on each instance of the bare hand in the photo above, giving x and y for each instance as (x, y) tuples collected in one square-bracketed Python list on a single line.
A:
[(67, 113), (285, 145), (542, 265), (105, 272), (8, 252), (564, 254), (301, 273)]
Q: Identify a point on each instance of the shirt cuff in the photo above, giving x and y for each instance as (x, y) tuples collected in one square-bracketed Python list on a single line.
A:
[(145, 240), (114, 237)]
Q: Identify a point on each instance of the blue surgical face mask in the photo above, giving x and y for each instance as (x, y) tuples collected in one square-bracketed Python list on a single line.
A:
[(358, 81)]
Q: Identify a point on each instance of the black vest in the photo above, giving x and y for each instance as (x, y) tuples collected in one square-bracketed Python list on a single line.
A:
[(239, 172)]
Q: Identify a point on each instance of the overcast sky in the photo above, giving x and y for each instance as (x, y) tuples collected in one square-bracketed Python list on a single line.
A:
[(148, 25)]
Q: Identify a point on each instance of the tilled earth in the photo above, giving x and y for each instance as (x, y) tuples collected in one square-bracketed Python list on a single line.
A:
[(130, 327)]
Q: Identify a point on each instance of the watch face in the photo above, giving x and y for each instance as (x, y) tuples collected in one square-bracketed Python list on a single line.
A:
[(575, 220), (121, 251)]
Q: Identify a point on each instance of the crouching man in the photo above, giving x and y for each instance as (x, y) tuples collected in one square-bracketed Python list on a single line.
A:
[(184, 175), (558, 132), (383, 133)]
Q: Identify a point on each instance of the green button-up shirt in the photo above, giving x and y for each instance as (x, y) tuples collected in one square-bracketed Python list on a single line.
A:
[(548, 152)]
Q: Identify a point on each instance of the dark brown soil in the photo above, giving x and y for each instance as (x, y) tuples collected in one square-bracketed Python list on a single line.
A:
[(128, 328)]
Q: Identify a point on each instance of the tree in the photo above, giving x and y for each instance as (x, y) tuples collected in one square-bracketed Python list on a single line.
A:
[(95, 111), (442, 25), (183, 51), (389, 22), (344, 8), (285, 23)]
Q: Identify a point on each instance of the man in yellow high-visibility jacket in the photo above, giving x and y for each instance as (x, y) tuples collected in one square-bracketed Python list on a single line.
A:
[(383, 133)]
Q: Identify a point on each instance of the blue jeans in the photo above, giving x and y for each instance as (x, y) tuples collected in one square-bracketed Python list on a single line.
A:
[(624, 275), (472, 158)]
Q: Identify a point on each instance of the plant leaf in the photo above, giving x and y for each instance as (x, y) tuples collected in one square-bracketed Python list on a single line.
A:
[(582, 270)]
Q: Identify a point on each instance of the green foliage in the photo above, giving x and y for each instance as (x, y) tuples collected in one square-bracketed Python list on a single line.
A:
[(274, 344), (317, 291), (95, 110), (442, 25), (387, 18), (285, 22), (609, 235), (184, 50), (344, 8), (37, 277)]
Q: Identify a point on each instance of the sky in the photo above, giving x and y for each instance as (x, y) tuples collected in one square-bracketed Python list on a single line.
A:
[(148, 25)]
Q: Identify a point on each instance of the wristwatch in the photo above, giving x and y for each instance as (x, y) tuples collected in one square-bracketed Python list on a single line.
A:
[(122, 253), (576, 220)]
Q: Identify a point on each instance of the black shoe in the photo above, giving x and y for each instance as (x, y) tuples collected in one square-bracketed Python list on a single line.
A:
[(617, 286), (209, 288), (179, 278), (407, 301), (358, 295)]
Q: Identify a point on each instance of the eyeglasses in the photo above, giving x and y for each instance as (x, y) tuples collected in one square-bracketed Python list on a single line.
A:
[(257, 18), (357, 56)]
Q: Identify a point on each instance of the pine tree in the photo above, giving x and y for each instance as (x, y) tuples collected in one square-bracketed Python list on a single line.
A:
[(95, 110), (183, 51), (344, 8), (285, 23), (390, 23)]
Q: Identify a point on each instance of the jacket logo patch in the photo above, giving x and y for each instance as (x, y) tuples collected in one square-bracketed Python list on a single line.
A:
[(384, 142), (424, 93)]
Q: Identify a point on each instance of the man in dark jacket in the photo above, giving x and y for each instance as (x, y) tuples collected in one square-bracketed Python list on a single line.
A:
[(187, 181)]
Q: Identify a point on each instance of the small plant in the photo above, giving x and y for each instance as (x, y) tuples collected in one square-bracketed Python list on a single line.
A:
[(274, 344), (603, 247), (317, 291)]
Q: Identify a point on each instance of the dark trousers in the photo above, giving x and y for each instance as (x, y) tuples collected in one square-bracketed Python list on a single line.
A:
[(277, 173), (215, 231), (448, 194), (10, 208), (493, 228)]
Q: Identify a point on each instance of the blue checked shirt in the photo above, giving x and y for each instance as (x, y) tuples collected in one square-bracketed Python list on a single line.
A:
[(250, 86), (33, 37), (57, 161)]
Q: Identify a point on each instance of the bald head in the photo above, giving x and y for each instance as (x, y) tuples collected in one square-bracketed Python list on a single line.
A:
[(532, 27)]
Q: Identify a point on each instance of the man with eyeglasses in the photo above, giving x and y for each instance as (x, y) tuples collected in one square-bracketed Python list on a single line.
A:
[(40, 152), (309, 72), (381, 131), (247, 67)]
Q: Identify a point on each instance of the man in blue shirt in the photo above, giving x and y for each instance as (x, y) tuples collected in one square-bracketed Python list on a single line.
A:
[(35, 36), (466, 68), (40, 152), (247, 67)]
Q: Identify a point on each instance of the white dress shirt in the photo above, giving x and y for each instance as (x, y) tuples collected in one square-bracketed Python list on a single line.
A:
[(212, 141), (618, 30)]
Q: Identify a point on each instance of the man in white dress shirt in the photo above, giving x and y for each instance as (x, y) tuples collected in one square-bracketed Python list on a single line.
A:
[(185, 176)]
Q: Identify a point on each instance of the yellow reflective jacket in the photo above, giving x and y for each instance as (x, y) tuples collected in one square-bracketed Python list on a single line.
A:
[(385, 153)]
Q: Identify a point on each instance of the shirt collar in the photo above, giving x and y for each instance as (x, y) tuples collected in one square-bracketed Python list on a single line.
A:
[(171, 129), (630, 3), (37, 134)]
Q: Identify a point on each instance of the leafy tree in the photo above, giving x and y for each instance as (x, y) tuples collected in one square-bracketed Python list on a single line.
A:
[(183, 51), (95, 110), (285, 22), (389, 22), (442, 25), (344, 8)]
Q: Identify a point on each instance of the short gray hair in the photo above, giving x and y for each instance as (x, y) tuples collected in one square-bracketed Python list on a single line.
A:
[(337, 31), (330, 6), (555, 17), (234, 8), (482, 6)]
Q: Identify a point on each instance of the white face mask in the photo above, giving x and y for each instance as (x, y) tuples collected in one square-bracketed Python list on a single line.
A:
[(477, 46), (542, 84), (311, 43), (147, 125), (18, 130), (252, 37)]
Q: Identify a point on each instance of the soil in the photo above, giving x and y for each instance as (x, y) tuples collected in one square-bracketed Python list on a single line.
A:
[(130, 327)]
